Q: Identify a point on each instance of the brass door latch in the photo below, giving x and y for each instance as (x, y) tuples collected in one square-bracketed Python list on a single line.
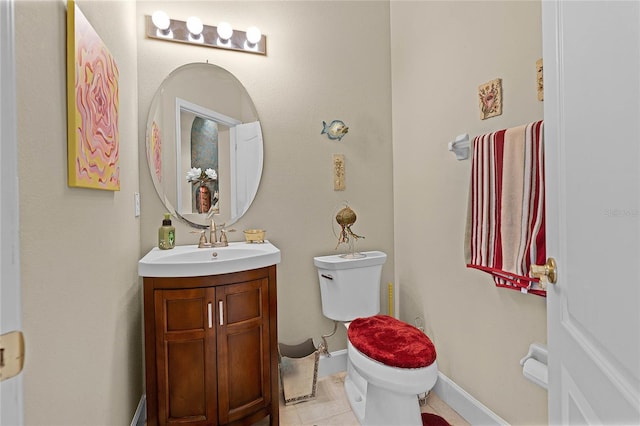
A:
[(546, 272), (11, 354)]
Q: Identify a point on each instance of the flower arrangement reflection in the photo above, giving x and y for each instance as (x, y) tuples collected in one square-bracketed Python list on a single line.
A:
[(196, 175), (203, 194)]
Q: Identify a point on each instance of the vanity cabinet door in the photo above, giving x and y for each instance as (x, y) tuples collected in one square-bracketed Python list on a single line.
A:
[(243, 346), (186, 354), (211, 349)]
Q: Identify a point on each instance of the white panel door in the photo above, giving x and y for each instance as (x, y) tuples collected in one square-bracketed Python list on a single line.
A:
[(592, 138), (246, 165)]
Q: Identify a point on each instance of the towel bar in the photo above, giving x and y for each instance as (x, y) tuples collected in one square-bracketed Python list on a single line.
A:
[(460, 147)]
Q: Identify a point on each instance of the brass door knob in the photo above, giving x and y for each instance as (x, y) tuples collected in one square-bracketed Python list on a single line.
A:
[(11, 354), (548, 271)]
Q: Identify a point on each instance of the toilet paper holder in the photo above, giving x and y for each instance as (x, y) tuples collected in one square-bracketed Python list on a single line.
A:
[(534, 365)]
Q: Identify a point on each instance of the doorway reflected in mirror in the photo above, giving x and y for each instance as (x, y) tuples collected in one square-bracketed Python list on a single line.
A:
[(204, 155)]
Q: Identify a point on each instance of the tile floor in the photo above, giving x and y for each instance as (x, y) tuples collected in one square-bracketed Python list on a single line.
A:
[(331, 407)]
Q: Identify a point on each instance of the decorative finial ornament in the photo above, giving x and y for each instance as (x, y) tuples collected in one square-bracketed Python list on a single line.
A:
[(346, 217)]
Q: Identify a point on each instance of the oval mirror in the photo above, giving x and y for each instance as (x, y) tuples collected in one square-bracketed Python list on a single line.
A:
[(204, 145)]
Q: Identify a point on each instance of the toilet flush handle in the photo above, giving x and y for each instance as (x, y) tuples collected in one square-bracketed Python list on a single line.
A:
[(329, 277)]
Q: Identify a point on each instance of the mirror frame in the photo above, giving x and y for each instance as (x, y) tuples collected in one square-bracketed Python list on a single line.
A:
[(196, 220)]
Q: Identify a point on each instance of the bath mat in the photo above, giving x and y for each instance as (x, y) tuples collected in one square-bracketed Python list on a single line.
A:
[(429, 419)]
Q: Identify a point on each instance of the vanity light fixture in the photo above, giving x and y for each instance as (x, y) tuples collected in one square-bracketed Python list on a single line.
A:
[(162, 23), (225, 32), (195, 27), (254, 35), (193, 31)]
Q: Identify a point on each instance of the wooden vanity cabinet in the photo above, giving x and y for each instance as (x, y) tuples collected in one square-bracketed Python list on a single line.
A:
[(211, 349)]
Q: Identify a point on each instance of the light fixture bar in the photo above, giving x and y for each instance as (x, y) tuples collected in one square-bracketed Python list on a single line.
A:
[(178, 32)]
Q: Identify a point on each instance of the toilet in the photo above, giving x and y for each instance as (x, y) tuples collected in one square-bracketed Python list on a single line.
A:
[(389, 361)]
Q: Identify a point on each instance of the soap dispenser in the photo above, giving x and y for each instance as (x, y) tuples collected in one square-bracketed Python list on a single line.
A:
[(166, 234)]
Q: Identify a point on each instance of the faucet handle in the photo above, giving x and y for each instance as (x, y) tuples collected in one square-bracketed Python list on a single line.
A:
[(223, 235), (202, 243)]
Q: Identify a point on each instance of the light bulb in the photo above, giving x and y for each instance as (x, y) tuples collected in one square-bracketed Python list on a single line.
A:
[(253, 35), (224, 31), (161, 20), (194, 25)]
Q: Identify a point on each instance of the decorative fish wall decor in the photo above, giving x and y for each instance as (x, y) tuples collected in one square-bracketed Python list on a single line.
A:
[(334, 130)]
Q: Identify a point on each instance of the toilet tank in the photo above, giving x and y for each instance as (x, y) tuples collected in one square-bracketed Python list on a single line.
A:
[(350, 287)]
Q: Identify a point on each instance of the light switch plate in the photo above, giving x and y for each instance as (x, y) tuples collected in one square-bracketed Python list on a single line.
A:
[(136, 203)]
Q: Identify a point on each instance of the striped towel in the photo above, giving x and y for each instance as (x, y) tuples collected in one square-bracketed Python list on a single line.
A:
[(505, 222)]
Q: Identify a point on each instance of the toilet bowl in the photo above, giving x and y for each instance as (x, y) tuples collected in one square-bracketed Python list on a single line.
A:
[(389, 362)]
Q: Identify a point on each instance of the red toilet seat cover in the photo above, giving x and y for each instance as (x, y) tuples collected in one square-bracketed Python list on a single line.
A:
[(392, 342)]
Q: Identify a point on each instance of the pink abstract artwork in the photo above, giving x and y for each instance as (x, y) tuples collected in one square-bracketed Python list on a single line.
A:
[(92, 98), (155, 150)]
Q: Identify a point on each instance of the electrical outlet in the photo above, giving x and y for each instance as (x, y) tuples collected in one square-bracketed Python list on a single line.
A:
[(136, 203)]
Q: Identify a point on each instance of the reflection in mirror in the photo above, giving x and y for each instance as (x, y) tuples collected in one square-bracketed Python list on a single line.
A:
[(204, 163), (204, 145), (205, 139)]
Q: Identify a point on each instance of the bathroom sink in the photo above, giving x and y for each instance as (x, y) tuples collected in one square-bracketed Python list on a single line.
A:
[(191, 261)]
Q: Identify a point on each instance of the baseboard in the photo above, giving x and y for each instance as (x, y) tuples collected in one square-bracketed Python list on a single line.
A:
[(336, 363), (453, 395), (140, 417), (447, 390), (466, 405), (328, 365)]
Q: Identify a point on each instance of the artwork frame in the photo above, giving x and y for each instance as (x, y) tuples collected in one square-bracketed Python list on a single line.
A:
[(338, 172), (540, 79), (154, 151), (490, 98), (93, 138)]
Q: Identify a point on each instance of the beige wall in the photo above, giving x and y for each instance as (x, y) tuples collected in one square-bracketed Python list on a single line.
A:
[(325, 61), (81, 294), (79, 247), (480, 331)]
